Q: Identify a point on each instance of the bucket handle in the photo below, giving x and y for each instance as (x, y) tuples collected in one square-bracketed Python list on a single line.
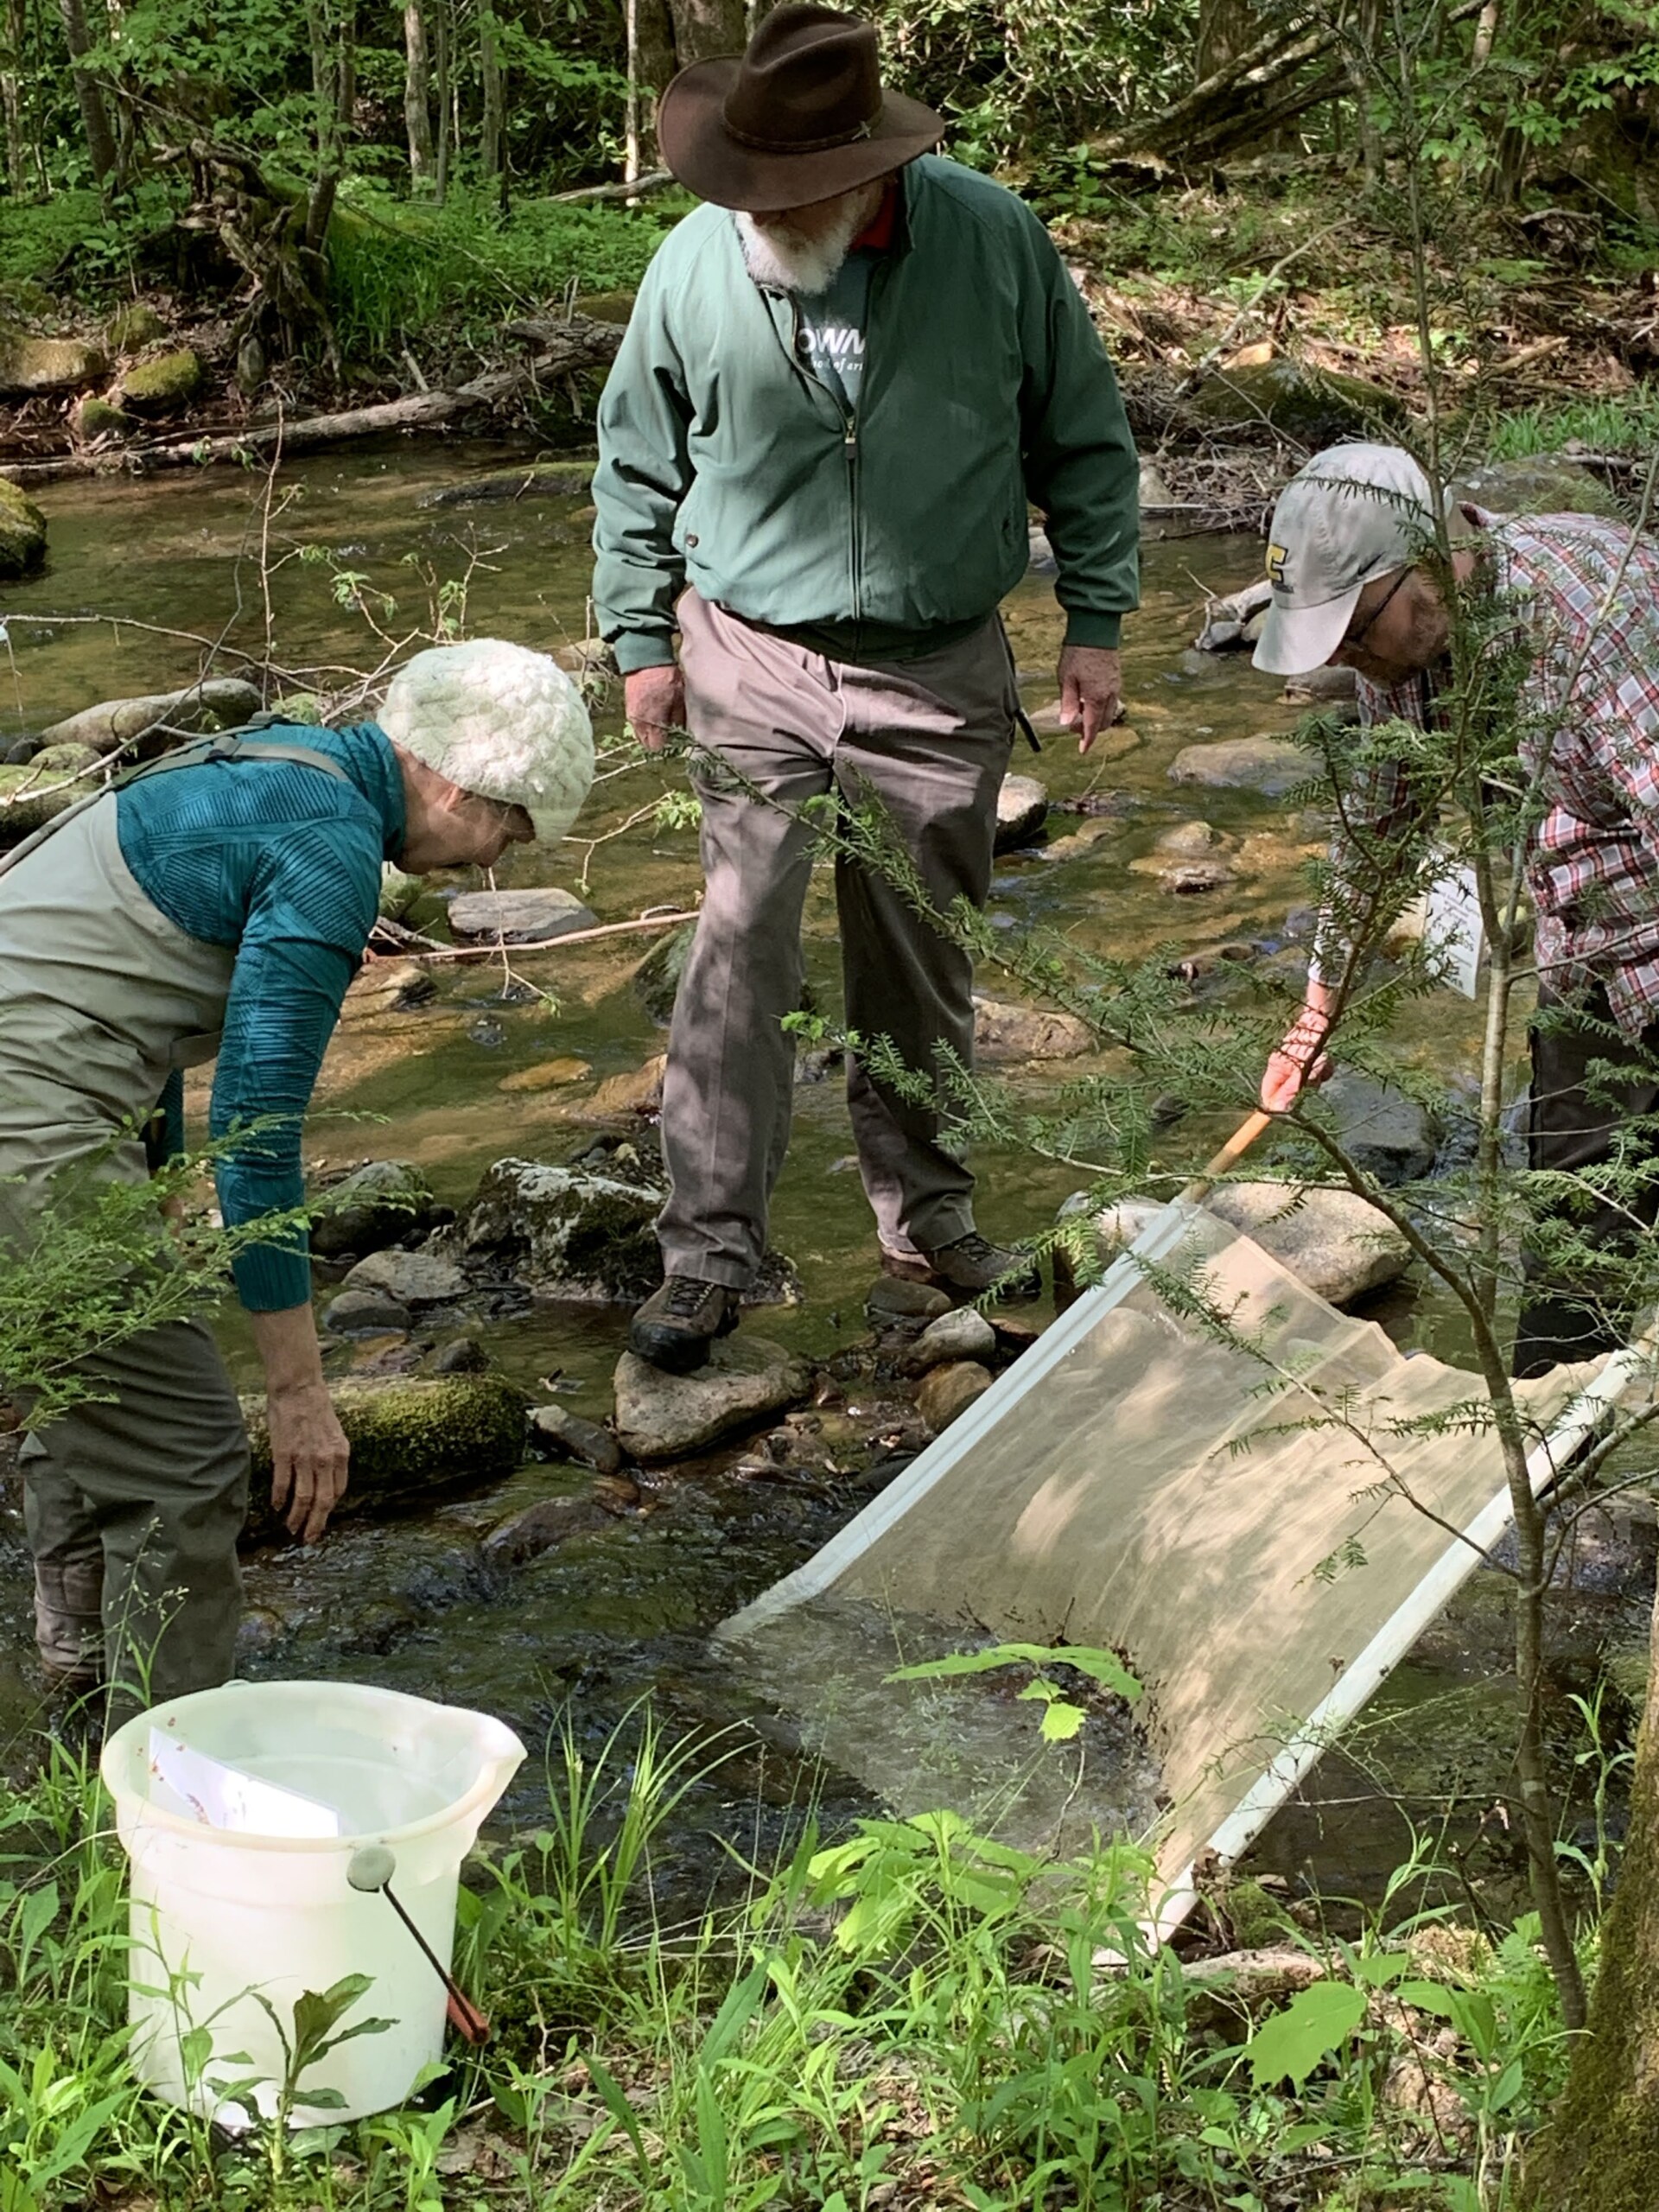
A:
[(370, 1872)]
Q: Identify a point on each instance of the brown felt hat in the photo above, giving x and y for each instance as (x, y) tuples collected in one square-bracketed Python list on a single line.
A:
[(800, 117)]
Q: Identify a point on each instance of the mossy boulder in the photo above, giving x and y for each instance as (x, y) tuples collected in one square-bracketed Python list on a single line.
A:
[(132, 326), (1313, 406), (30, 365), (31, 795), (99, 418), (1542, 484), (536, 479), (157, 387), (570, 1237), (22, 533), (299, 707), (416, 1434)]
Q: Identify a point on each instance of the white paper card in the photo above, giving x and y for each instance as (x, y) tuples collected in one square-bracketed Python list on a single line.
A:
[(224, 1796), (1451, 930)]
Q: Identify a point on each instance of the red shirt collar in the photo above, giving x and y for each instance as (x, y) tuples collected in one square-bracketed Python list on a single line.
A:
[(877, 233)]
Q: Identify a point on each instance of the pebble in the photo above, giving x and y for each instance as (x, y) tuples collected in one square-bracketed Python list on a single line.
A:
[(364, 1312), (964, 1334), (946, 1391), (411, 1278), (573, 1438), (894, 1299)]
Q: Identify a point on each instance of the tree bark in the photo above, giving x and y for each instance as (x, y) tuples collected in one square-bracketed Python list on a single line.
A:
[(493, 124), (1225, 29), (94, 116), (446, 91), (11, 98), (655, 62), (706, 27), (1600, 2149), (417, 95)]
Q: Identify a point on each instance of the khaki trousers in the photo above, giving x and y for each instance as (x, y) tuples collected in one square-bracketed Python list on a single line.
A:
[(133, 1504), (929, 741)]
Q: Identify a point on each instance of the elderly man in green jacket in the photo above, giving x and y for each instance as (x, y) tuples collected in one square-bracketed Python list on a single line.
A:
[(844, 378), (215, 905)]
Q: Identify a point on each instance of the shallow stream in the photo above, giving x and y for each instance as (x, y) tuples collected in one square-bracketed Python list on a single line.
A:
[(625, 1607)]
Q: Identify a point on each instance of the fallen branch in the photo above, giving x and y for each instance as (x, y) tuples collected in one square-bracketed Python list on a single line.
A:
[(654, 181), (583, 343), (405, 941)]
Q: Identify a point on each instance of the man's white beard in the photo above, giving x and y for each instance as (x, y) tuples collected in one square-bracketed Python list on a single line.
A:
[(778, 257)]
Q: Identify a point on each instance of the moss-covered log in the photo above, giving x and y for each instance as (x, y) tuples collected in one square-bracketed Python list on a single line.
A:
[(1600, 2149), (408, 1437)]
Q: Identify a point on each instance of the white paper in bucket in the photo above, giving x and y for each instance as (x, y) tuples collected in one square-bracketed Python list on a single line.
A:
[(223, 1797)]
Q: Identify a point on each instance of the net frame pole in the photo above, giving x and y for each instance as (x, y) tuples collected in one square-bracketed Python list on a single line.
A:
[(1365, 1674)]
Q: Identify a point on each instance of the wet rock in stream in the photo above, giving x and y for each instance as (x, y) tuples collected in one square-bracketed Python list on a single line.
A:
[(662, 1416), (945, 1392), (518, 917), (407, 1437), (1386, 1132), (383, 1202), (962, 1334), (1021, 812), (411, 1279), (364, 1312), (1271, 765), (1334, 1241), (570, 1437)]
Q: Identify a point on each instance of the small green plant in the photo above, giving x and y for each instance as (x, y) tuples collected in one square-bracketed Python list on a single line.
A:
[(1062, 1717)]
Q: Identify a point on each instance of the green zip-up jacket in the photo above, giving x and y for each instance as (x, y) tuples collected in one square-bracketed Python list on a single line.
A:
[(724, 463)]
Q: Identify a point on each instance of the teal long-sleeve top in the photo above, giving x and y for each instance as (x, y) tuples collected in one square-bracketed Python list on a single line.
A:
[(281, 862)]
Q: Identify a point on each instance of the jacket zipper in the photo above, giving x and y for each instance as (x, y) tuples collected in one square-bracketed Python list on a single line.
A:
[(849, 448)]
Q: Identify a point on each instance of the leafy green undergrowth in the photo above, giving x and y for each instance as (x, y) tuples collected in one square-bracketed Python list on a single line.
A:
[(909, 2015), (1627, 423)]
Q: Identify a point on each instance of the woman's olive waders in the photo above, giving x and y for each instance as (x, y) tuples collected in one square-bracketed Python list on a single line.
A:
[(133, 1504)]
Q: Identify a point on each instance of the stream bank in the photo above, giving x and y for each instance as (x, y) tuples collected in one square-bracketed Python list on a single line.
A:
[(564, 1584)]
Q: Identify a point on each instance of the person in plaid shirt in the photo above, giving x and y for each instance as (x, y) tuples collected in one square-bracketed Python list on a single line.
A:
[(1349, 590)]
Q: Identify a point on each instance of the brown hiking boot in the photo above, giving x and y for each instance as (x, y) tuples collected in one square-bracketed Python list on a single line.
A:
[(972, 1265), (677, 1324)]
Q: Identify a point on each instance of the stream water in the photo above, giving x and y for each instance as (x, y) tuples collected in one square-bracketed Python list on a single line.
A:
[(626, 1608)]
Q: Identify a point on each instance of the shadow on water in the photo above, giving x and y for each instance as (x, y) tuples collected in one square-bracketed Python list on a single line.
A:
[(625, 1606)]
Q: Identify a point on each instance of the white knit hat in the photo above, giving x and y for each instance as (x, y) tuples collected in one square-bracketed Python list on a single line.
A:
[(500, 721)]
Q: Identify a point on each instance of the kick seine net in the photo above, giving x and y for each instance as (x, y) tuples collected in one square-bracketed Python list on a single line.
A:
[(1260, 1531)]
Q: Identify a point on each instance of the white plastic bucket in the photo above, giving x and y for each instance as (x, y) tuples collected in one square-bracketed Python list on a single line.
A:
[(219, 1913)]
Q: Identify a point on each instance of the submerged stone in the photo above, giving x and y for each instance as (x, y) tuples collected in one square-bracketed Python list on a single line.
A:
[(571, 1437), (1005, 1031), (945, 1392), (1270, 764), (662, 1416)]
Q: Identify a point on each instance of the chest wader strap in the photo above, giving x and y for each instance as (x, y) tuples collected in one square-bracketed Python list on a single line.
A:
[(227, 745)]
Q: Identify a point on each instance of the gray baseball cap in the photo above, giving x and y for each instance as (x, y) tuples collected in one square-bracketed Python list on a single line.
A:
[(1352, 514)]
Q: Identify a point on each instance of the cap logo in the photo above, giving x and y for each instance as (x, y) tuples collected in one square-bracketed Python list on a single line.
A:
[(1277, 556)]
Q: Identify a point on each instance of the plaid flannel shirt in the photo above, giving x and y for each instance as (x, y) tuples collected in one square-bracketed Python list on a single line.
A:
[(1590, 736)]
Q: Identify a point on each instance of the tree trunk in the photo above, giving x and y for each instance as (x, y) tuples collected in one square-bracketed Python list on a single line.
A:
[(446, 92), (1226, 28), (706, 27), (417, 95), (1600, 2149), (655, 62), (94, 116), (11, 98), (493, 127)]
